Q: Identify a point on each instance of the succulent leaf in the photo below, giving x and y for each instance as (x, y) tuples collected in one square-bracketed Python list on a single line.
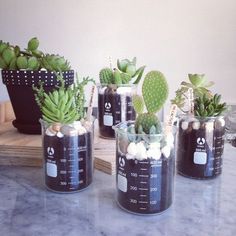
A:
[(138, 103)]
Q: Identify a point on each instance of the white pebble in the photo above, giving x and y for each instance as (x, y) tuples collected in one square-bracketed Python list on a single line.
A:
[(196, 125), (141, 151), (132, 149), (82, 130), (184, 125), (60, 135), (102, 90), (222, 121), (166, 151), (130, 157), (154, 145), (50, 132), (154, 153)]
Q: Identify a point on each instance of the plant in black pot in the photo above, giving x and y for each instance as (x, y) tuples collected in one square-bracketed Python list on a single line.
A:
[(67, 137), (145, 160), (201, 129), (115, 95), (21, 69)]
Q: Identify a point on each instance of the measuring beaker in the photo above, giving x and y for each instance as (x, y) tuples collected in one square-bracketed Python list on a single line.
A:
[(200, 145), (68, 155), (114, 106), (145, 167)]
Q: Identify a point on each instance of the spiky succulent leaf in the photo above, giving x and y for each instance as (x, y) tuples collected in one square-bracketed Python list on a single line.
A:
[(155, 91), (54, 63)]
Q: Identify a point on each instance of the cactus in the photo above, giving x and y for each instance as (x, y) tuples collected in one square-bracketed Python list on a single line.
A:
[(123, 74), (106, 76), (209, 107), (62, 105), (12, 57), (155, 93)]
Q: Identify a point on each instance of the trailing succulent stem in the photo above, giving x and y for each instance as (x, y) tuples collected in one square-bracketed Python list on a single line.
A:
[(123, 74), (155, 92), (13, 58), (63, 105), (209, 107)]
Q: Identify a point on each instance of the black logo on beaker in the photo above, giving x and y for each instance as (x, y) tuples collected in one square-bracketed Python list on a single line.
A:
[(121, 161), (108, 105), (200, 141)]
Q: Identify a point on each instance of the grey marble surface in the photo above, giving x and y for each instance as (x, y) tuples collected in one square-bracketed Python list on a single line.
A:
[(200, 208)]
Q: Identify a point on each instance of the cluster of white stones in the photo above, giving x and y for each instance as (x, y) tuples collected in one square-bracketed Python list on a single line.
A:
[(154, 150), (76, 128)]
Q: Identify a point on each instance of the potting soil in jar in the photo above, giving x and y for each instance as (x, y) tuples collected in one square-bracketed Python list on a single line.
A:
[(200, 147), (144, 176), (68, 158), (114, 106)]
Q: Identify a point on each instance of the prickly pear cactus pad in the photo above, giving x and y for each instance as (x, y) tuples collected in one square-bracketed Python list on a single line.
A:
[(155, 91)]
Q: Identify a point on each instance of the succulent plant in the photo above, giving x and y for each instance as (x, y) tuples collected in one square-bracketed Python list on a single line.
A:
[(155, 92), (62, 105), (199, 85), (123, 74), (13, 58), (209, 107)]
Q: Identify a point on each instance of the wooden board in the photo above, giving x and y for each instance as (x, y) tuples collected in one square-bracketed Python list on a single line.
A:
[(26, 150)]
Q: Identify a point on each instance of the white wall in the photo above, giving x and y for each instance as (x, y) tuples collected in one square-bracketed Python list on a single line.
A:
[(175, 36)]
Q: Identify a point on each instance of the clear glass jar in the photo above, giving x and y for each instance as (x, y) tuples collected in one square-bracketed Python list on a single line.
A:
[(114, 106), (200, 145), (145, 166), (68, 156)]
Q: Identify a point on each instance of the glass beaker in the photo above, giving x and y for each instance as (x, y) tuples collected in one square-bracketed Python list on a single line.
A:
[(114, 106), (145, 167), (68, 155), (200, 145)]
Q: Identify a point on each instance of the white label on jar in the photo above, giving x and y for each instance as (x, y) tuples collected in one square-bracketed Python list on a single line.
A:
[(200, 158), (107, 120), (122, 183), (51, 170)]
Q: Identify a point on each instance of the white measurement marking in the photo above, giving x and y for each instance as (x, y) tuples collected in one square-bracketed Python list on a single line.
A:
[(143, 162), (143, 189), (143, 168), (143, 182), (143, 208), (143, 195), (143, 202), (144, 176)]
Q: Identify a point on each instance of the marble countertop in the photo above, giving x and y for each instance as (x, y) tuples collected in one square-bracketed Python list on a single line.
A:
[(203, 208)]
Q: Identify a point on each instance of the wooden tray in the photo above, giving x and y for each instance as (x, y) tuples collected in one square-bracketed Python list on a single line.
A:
[(26, 150)]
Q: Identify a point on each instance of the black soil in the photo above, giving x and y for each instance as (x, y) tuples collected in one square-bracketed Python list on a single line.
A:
[(149, 184), (73, 156), (187, 146), (109, 104)]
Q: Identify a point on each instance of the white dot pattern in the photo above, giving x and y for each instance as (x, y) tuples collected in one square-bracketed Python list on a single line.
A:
[(29, 78)]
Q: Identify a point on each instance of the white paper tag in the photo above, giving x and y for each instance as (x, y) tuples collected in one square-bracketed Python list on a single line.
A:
[(200, 158), (107, 120), (51, 170), (122, 183)]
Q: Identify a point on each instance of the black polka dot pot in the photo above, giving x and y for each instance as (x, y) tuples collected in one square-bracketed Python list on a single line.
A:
[(19, 86)]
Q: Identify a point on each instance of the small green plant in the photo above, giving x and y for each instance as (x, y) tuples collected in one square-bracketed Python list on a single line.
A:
[(198, 83), (209, 107), (125, 73), (205, 103), (62, 105), (155, 92), (31, 58)]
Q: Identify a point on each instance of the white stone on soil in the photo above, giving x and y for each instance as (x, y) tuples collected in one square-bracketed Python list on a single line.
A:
[(154, 145), (154, 153), (166, 151), (141, 151), (184, 125), (130, 157), (50, 132), (132, 149), (102, 90), (196, 125), (60, 135)]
